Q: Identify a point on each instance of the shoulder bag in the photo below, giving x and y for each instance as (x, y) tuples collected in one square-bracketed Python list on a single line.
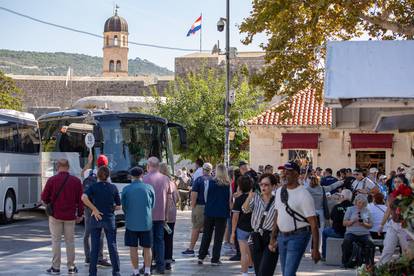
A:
[(49, 206)]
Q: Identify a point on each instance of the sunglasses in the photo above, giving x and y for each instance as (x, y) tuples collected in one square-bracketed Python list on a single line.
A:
[(262, 184)]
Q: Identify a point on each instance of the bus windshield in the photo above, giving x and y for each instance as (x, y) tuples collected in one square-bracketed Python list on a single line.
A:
[(129, 143)]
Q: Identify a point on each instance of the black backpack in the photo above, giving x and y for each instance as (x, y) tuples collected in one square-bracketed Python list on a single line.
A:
[(91, 179)]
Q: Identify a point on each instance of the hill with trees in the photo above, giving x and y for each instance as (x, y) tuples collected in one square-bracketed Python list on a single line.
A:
[(56, 64)]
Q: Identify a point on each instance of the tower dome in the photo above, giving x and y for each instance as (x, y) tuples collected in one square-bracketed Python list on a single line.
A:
[(116, 24), (115, 46)]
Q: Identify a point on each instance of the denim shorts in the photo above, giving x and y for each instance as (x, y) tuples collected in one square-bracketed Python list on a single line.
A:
[(143, 237), (242, 235)]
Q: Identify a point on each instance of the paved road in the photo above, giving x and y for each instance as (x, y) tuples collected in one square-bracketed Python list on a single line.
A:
[(25, 250)]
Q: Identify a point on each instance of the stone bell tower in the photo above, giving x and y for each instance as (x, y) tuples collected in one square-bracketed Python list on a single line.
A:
[(115, 49)]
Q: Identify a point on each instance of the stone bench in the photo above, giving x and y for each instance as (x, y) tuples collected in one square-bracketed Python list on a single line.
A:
[(334, 251)]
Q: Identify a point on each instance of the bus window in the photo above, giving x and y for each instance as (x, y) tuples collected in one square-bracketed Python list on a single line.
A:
[(8, 137), (29, 141)]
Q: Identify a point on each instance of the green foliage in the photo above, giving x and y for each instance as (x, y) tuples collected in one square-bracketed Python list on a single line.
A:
[(10, 94), (298, 29), (197, 102), (56, 64)]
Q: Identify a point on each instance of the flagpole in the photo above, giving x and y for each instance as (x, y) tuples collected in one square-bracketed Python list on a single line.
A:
[(201, 30)]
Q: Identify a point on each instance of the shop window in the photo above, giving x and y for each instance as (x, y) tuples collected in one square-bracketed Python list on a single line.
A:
[(302, 157), (370, 159)]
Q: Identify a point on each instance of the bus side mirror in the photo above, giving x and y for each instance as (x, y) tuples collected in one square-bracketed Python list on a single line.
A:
[(182, 134)]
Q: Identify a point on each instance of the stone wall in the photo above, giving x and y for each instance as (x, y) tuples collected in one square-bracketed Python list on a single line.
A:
[(52, 92), (194, 62)]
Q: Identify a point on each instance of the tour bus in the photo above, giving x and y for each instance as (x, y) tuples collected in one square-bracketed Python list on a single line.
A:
[(20, 171), (127, 139)]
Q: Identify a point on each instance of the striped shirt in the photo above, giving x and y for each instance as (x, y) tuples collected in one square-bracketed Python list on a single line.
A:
[(257, 206)]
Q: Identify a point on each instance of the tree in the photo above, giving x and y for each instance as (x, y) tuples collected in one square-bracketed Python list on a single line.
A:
[(10, 94), (197, 102), (298, 29)]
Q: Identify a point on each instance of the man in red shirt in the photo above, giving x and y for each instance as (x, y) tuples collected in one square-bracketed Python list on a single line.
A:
[(67, 210)]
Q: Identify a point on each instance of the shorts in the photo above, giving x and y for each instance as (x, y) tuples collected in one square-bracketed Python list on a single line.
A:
[(143, 237), (197, 217), (242, 235)]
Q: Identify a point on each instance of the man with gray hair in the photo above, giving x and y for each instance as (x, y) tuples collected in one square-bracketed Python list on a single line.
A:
[(64, 192), (337, 216), (161, 184)]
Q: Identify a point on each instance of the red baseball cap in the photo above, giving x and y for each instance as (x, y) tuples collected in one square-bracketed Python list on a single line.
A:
[(102, 161)]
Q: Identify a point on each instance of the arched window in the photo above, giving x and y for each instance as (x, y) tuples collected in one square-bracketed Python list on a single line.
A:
[(124, 41), (116, 42), (106, 40), (118, 66), (111, 66)]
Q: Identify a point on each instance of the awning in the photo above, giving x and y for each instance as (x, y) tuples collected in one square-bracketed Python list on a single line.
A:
[(300, 140), (402, 121), (377, 141)]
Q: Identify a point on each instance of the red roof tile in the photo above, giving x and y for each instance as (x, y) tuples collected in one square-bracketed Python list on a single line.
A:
[(304, 108)]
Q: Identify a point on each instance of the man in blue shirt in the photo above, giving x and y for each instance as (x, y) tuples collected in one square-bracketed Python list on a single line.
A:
[(198, 202), (138, 200), (328, 179)]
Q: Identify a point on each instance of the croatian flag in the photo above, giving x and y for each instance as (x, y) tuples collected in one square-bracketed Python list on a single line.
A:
[(195, 27)]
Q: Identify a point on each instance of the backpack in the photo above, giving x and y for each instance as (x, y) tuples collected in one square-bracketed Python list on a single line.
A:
[(91, 179)]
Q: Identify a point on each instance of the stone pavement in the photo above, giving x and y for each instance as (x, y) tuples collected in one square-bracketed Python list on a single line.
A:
[(36, 261)]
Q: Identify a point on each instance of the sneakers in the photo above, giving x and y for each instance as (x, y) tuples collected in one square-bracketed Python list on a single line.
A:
[(147, 274), (104, 262), (200, 261), (251, 270), (73, 270), (189, 253), (218, 263), (168, 266), (53, 271)]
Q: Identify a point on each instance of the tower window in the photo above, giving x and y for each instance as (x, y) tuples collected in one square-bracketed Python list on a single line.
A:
[(116, 42), (107, 40), (118, 66), (124, 41), (111, 66)]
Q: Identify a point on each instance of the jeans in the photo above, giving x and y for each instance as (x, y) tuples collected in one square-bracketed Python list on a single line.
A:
[(158, 246), (264, 260), (364, 241), (291, 250), (328, 232), (109, 227), (168, 240), (87, 236), (218, 225), (58, 227)]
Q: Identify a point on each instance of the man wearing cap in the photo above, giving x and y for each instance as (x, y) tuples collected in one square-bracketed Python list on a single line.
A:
[(161, 184), (198, 202), (138, 200), (89, 176), (295, 221)]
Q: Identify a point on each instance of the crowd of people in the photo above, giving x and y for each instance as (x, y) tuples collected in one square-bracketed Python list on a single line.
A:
[(266, 216)]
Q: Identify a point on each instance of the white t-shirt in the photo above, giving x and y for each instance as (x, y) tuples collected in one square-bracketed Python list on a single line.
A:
[(197, 174), (377, 214), (299, 200), (359, 184)]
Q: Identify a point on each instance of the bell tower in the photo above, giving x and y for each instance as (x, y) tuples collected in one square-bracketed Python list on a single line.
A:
[(115, 46)]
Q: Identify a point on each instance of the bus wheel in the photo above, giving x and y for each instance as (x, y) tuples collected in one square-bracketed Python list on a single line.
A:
[(9, 207)]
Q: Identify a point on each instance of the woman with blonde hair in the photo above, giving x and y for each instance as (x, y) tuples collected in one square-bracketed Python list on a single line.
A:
[(217, 210)]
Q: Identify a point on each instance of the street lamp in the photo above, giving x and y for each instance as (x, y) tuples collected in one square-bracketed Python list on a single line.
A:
[(225, 22)]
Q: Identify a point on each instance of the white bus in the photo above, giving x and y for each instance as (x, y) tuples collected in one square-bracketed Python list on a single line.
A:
[(127, 139), (20, 166)]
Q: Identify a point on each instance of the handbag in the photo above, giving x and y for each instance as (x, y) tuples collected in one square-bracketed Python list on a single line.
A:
[(325, 204), (49, 206)]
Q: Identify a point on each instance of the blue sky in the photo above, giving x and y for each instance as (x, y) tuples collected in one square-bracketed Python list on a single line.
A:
[(163, 22)]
